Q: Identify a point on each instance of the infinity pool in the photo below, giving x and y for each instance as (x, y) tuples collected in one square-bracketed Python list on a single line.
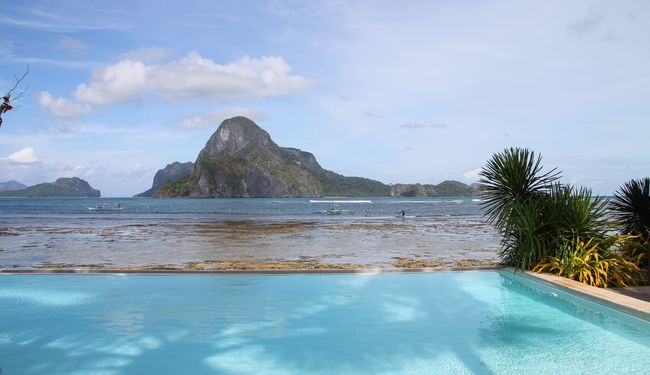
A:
[(425, 323)]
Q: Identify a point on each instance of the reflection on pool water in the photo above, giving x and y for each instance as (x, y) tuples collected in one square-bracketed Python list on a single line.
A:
[(452, 322)]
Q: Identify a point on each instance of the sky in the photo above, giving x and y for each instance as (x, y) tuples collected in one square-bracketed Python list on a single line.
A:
[(421, 91)]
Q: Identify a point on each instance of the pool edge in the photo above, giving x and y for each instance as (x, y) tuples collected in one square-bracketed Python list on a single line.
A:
[(162, 271), (602, 296)]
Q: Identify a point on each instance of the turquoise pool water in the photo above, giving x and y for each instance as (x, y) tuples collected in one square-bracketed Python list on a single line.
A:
[(426, 323)]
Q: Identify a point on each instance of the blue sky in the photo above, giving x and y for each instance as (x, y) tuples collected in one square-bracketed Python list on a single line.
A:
[(420, 92)]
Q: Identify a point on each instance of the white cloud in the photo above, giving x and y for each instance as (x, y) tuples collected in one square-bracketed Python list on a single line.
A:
[(122, 81), (72, 45), (204, 120), (26, 155), (193, 77), (49, 21), (61, 107), (68, 64), (147, 54), (472, 174)]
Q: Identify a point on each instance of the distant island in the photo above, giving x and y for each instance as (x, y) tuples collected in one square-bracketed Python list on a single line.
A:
[(11, 185), (62, 187), (172, 172), (241, 160), (449, 188)]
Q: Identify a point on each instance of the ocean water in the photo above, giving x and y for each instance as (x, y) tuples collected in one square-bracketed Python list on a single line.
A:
[(481, 322), (63, 231), (242, 208)]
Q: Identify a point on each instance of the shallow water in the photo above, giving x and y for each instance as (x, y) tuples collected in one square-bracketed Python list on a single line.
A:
[(58, 232), (445, 322)]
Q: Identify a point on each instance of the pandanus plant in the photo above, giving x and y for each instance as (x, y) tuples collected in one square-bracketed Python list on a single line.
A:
[(514, 190), (534, 213), (631, 206)]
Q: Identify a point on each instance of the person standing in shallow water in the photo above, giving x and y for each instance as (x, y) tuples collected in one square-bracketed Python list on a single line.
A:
[(403, 214)]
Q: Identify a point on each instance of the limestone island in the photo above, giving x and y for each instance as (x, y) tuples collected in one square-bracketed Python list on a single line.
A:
[(241, 160)]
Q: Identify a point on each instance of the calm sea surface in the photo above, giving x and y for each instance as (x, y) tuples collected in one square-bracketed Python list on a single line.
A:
[(64, 231)]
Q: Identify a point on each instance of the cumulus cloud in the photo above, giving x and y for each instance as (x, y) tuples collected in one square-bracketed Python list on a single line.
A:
[(192, 77), (61, 107), (24, 156), (204, 120), (195, 77), (147, 54), (472, 174), (120, 82), (72, 45)]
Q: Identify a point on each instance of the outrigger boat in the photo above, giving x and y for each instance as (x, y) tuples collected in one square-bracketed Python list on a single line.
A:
[(104, 207), (334, 210)]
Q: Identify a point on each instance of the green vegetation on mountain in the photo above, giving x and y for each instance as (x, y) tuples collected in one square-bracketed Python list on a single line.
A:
[(444, 189), (334, 184), (178, 188), (63, 187), (453, 188), (171, 172)]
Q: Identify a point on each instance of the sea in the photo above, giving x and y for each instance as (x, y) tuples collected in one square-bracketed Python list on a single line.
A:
[(134, 232)]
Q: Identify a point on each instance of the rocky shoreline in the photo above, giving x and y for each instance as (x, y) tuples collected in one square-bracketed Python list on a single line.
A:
[(399, 265)]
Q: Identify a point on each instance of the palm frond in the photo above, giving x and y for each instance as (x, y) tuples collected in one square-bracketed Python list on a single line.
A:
[(631, 206)]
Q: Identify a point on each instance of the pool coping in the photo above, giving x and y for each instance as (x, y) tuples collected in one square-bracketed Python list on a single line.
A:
[(295, 271), (601, 296)]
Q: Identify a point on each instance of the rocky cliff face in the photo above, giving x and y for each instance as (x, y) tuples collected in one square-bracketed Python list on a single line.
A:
[(172, 172), (62, 187), (448, 188), (241, 160), (412, 190)]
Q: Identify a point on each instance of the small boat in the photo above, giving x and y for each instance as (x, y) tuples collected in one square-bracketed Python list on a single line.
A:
[(334, 210), (104, 207)]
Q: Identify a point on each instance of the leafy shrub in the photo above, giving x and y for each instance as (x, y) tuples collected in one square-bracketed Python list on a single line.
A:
[(535, 214), (631, 206), (514, 192), (595, 263)]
